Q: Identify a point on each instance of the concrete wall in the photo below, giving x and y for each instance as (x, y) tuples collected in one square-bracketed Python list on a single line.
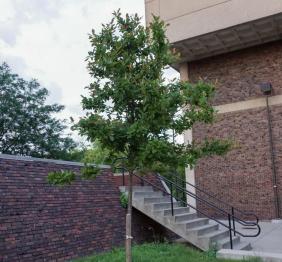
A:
[(188, 19)]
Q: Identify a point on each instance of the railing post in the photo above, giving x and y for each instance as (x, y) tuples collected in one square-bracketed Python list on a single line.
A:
[(171, 199), (123, 179), (123, 182), (142, 182), (230, 231), (233, 221), (176, 182), (184, 196)]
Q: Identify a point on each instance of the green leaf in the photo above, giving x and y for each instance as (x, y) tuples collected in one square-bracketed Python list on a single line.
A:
[(60, 178), (90, 172), (27, 124), (131, 109)]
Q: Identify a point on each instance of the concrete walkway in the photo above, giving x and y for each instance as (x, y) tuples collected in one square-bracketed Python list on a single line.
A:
[(267, 246), (270, 239)]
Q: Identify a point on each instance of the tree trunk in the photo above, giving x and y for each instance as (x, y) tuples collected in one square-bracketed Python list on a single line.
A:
[(128, 240)]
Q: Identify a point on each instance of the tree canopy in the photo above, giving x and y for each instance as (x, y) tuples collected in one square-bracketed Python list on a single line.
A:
[(27, 124), (131, 109)]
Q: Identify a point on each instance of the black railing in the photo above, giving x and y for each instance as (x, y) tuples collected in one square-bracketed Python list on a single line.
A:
[(232, 209), (121, 167), (216, 208), (232, 219)]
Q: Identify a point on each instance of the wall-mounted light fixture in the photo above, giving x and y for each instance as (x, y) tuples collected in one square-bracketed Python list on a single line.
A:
[(266, 88)]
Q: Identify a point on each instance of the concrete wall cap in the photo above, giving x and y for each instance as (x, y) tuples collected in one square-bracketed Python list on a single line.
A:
[(242, 254), (36, 159)]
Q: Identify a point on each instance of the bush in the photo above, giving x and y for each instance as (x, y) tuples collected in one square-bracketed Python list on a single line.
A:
[(90, 172), (61, 177), (123, 200)]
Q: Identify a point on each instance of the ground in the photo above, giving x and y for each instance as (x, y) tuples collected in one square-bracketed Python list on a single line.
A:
[(270, 238), (157, 253)]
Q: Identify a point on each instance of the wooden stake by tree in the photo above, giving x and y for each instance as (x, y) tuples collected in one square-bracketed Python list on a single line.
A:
[(130, 107)]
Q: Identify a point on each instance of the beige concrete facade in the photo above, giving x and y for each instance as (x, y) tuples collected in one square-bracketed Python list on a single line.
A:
[(249, 104), (201, 28), (197, 17)]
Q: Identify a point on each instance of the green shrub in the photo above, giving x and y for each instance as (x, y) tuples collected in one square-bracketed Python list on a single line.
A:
[(90, 172), (123, 200), (61, 177)]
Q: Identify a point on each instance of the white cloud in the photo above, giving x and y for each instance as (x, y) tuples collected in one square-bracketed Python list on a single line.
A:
[(8, 11), (48, 40)]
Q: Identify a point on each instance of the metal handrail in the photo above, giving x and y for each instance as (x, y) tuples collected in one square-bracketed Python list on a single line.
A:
[(247, 214), (223, 211), (240, 221), (120, 167), (231, 216)]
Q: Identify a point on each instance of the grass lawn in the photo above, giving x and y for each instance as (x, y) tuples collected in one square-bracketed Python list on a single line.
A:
[(157, 253)]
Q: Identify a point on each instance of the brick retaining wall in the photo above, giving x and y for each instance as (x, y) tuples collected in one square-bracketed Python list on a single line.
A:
[(40, 222)]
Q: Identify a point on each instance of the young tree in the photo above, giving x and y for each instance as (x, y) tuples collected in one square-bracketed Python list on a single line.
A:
[(131, 109), (27, 126)]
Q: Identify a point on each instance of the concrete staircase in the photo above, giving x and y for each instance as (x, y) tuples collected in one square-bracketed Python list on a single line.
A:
[(201, 232)]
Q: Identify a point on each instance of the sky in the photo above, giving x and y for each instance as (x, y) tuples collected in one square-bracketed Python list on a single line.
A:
[(48, 40)]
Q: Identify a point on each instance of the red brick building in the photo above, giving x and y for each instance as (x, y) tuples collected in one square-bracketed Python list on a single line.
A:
[(237, 45)]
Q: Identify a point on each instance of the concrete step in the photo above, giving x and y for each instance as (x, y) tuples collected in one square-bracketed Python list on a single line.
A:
[(151, 200), (184, 217), (217, 235), (147, 194), (212, 239), (225, 243), (165, 205), (243, 246), (177, 211), (205, 229), (196, 222)]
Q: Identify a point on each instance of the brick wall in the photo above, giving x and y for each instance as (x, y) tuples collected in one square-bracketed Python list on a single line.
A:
[(40, 222), (243, 177), (237, 75)]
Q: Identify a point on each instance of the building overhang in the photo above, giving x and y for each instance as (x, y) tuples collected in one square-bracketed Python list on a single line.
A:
[(234, 38)]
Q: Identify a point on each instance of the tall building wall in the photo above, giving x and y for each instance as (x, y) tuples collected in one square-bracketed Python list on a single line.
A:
[(188, 19), (243, 177), (235, 44), (237, 75)]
